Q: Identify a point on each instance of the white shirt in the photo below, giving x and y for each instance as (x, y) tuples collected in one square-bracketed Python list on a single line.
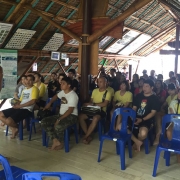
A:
[(68, 100), (29, 94)]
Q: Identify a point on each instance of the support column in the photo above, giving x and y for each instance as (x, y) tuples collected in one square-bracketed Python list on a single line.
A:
[(130, 72), (85, 55), (94, 55), (79, 58), (177, 48)]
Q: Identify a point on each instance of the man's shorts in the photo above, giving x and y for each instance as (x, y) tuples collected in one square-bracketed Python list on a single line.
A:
[(102, 114), (16, 114)]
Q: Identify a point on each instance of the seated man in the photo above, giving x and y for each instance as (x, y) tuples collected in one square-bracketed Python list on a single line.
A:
[(23, 108), (146, 105), (55, 125), (96, 100)]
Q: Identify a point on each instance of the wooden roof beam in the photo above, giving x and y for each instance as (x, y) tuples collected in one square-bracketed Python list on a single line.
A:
[(65, 5), (56, 17), (24, 52), (169, 8), (18, 6), (138, 19), (9, 2), (132, 9), (68, 32)]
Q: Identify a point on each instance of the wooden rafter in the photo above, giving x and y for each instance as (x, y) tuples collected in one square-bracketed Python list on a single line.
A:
[(56, 17), (53, 23), (156, 37), (42, 53), (138, 19), (18, 7), (65, 5)]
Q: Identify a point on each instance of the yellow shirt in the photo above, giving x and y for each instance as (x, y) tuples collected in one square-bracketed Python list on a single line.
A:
[(168, 100), (42, 89), (127, 97), (97, 97), (111, 90)]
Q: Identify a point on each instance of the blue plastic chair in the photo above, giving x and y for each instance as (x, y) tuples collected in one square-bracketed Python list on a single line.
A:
[(10, 172), (121, 137), (33, 120), (40, 175), (166, 145), (66, 137)]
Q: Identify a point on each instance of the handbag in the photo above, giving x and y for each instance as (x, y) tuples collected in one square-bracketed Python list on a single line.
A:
[(93, 110), (43, 114)]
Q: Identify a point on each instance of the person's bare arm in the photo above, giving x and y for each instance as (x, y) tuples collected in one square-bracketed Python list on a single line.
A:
[(16, 96), (54, 98), (29, 103)]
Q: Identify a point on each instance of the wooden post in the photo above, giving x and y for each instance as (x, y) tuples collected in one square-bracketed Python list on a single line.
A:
[(85, 55), (177, 48), (94, 55), (137, 67), (79, 57), (61, 67), (116, 65), (130, 72)]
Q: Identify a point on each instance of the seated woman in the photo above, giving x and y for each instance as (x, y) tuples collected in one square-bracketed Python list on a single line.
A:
[(122, 98), (100, 97), (140, 88), (159, 115), (55, 125), (174, 108), (43, 95)]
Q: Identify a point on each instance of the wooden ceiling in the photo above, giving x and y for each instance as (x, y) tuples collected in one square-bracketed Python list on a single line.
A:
[(154, 24)]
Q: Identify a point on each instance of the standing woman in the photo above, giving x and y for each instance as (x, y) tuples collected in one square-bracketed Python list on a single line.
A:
[(134, 83), (42, 90)]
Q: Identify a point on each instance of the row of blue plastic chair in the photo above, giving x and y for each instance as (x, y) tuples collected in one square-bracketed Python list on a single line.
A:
[(122, 137), (15, 173)]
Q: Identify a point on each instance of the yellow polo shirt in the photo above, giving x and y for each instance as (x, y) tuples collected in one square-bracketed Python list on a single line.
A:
[(97, 97)]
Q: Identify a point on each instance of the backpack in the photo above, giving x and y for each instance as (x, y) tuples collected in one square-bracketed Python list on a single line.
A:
[(43, 114)]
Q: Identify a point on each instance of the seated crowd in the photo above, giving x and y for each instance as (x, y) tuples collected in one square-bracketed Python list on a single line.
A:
[(149, 96)]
